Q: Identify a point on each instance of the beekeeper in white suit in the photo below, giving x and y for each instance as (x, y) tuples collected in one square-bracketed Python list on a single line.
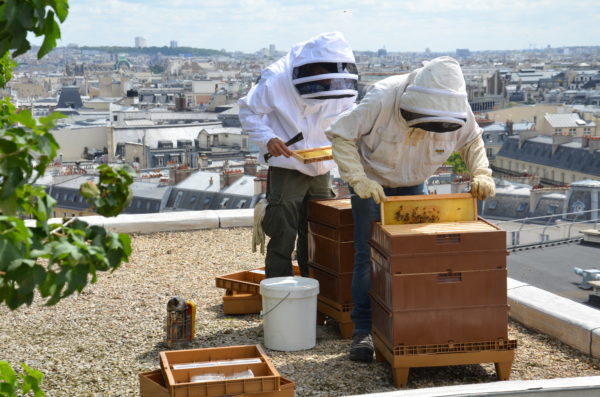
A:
[(304, 91), (401, 132)]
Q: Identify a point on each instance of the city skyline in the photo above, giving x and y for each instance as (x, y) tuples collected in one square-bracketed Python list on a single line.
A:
[(398, 26)]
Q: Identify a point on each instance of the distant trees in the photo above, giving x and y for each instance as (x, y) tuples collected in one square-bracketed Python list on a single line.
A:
[(199, 52)]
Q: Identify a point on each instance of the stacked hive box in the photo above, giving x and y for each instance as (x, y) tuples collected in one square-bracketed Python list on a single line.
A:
[(440, 288), (331, 259)]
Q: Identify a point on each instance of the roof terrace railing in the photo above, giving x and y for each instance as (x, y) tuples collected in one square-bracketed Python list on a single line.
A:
[(557, 229)]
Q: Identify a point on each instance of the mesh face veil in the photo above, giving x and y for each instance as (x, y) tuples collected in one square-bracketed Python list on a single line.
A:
[(326, 80), (432, 123)]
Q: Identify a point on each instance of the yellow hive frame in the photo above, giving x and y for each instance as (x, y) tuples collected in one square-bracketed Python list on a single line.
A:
[(433, 208), (313, 155)]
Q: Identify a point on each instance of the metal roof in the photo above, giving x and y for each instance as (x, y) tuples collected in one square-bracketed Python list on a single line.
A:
[(564, 120), (539, 151), (201, 180)]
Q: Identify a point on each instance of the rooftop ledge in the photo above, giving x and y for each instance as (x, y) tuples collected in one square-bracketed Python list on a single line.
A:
[(570, 322)]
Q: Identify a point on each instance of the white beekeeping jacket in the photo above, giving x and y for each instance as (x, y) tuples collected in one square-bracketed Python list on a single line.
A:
[(282, 104)]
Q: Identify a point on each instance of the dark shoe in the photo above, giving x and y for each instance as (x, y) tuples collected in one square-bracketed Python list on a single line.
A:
[(362, 348)]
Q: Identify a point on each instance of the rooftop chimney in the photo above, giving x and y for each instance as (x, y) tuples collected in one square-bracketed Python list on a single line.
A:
[(260, 182), (250, 165), (559, 139), (229, 177)]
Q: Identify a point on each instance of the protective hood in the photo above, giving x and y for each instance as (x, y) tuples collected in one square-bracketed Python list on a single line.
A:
[(437, 92), (324, 68)]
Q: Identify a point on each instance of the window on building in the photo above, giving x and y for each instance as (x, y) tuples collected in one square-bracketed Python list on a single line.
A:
[(206, 202), (148, 206), (241, 204), (492, 205), (193, 199), (557, 131), (178, 199), (138, 203), (552, 209), (521, 207), (224, 202)]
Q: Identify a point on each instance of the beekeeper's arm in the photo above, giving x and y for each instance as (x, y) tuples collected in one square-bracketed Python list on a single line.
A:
[(343, 134), (253, 109), (473, 153)]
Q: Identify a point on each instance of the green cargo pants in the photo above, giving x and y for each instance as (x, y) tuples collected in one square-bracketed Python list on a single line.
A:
[(288, 193)]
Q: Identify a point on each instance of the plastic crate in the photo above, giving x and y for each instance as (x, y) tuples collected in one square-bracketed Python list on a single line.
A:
[(433, 208), (334, 255), (438, 238), (333, 286), (438, 261), (331, 212), (449, 289), (440, 326), (236, 303), (178, 381), (339, 233), (246, 282), (152, 384)]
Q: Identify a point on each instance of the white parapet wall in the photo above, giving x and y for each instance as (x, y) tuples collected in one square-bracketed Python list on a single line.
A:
[(176, 221), (571, 322), (587, 386)]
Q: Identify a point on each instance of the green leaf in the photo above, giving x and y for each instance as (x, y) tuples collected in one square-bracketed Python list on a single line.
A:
[(52, 32), (7, 373), (65, 249), (78, 278), (62, 9), (9, 252)]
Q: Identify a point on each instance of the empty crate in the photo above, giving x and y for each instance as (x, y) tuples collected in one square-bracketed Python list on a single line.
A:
[(179, 366)]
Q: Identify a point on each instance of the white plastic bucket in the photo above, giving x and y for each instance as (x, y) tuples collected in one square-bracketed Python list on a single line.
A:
[(289, 312)]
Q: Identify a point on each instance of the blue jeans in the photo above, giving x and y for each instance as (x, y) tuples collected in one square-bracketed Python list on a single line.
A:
[(364, 212)]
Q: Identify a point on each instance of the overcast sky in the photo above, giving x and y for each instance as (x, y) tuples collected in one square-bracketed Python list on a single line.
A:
[(249, 25)]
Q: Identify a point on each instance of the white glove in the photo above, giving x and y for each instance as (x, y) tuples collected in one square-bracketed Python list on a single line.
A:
[(483, 186), (482, 183), (258, 236), (347, 159), (367, 188)]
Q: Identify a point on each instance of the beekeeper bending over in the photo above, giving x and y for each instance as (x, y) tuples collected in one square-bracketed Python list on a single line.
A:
[(304, 91), (400, 133)]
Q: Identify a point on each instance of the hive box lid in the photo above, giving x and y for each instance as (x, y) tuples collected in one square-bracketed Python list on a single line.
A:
[(432, 208), (392, 240)]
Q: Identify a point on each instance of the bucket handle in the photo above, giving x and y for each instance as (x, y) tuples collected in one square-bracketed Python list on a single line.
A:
[(278, 303)]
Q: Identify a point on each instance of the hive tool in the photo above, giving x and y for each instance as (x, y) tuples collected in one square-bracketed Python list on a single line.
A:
[(296, 138)]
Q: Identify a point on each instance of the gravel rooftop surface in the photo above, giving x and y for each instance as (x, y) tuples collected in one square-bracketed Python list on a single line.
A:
[(96, 343)]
